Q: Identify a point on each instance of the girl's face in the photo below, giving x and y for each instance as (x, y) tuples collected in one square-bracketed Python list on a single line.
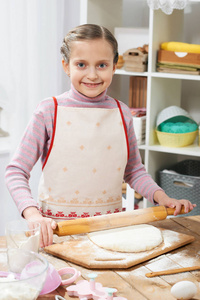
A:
[(90, 66)]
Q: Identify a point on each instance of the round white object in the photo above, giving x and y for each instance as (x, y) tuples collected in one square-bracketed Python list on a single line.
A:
[(171, 112), (184, 290), (136, 238)]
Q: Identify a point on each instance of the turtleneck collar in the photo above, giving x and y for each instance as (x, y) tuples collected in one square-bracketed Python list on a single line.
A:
[(80, 97)]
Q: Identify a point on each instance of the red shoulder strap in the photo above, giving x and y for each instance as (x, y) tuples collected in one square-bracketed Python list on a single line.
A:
[(54, 130), (124, 125)]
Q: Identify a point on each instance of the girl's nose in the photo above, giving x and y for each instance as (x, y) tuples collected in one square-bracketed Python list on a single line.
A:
[(92, 73)]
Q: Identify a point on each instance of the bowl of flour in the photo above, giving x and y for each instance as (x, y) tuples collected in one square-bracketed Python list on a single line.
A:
[(28, 281), (23, 234)]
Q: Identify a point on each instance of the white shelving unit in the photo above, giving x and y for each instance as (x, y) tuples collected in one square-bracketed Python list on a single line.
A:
[(163, 89)]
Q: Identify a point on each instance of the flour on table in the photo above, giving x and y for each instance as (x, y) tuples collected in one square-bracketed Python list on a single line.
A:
[(136, 238)]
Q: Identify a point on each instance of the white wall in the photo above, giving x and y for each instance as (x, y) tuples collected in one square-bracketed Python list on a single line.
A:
[(8, 210), (31, 33), (135, 13)]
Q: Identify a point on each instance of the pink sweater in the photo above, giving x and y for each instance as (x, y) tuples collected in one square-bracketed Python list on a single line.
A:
[(37, 138)]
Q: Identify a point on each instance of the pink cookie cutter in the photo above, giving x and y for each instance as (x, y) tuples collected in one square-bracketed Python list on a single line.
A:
[(92, 290), (54, 280)]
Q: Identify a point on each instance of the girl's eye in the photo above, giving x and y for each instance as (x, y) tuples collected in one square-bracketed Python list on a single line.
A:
[(81, 65), (101, 66)]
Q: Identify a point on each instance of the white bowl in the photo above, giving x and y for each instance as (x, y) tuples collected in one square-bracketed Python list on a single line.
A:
[(171, 112), (28, 281)]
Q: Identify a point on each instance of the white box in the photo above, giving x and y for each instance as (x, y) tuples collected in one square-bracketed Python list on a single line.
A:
[(139, 125)]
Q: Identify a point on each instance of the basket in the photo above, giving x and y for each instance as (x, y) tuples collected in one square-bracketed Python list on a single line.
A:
[(176, 139), (199, 135), (174, 114), (185, 184)]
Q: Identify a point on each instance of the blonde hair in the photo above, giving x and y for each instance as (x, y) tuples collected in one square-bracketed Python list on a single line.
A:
[(88, 32)]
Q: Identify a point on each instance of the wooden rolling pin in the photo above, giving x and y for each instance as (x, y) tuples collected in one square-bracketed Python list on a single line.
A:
[(115, 220), (172, 271)]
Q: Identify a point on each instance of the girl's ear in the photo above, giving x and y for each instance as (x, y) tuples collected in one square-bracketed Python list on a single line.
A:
[(114, 68), (65, 67)]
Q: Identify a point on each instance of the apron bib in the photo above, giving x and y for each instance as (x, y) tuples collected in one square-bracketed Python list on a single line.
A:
[(83, 173)]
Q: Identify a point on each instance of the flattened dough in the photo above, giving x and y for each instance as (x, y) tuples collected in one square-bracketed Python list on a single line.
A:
[(136, 238)]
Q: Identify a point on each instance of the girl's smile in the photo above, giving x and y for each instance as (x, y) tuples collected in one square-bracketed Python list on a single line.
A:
[(91, 66), (91, 85)]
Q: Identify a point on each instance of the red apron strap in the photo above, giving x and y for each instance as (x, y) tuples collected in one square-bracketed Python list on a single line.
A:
[(54, 130), (124, 125)]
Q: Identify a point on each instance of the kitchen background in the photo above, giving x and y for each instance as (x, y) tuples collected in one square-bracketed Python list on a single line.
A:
[(31, 34)]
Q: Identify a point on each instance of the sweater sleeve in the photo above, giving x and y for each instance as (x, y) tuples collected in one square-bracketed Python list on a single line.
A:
[(135, 172), (33, 144)]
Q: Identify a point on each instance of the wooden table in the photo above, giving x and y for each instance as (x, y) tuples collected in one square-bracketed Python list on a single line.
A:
[(132, 283)]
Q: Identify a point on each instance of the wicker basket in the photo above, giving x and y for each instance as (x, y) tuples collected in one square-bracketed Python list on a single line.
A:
[(176, 139), (185, 184), (199, 135), (177, 114)]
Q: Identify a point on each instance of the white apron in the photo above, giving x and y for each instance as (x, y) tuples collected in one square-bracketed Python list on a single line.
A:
[(83, 172)]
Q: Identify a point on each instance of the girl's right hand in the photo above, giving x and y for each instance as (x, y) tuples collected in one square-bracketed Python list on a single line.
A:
[(47, 225)]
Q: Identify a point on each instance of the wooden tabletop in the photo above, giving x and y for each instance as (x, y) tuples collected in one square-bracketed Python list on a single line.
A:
[(132, 283)]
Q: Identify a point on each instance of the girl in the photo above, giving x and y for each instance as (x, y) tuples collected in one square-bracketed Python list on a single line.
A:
[(86, 142)]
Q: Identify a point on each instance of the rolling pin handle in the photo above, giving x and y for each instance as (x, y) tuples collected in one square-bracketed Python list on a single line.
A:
[(56, 230), (170, 211)]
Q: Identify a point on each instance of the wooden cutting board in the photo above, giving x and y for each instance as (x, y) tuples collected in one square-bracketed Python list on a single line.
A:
[(80, 250)]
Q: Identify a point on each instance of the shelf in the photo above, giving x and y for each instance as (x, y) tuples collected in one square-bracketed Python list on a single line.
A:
[(192, 150), (158, 75), (142, 147), (123, 72), (175, 76)]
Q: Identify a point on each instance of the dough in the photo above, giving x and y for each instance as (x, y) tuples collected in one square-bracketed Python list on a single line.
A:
[(136, 238)]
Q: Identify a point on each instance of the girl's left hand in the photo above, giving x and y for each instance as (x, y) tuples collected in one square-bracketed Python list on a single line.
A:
[(162, 199)]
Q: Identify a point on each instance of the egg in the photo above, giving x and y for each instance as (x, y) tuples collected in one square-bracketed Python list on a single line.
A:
[(183, 290)]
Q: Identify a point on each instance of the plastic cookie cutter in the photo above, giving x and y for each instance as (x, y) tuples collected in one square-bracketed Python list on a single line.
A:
[(85, 289), (110, 295), (54, 279)]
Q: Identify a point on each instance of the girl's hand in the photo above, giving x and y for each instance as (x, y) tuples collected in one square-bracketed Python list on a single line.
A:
[(162, 199), (47, 225)]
